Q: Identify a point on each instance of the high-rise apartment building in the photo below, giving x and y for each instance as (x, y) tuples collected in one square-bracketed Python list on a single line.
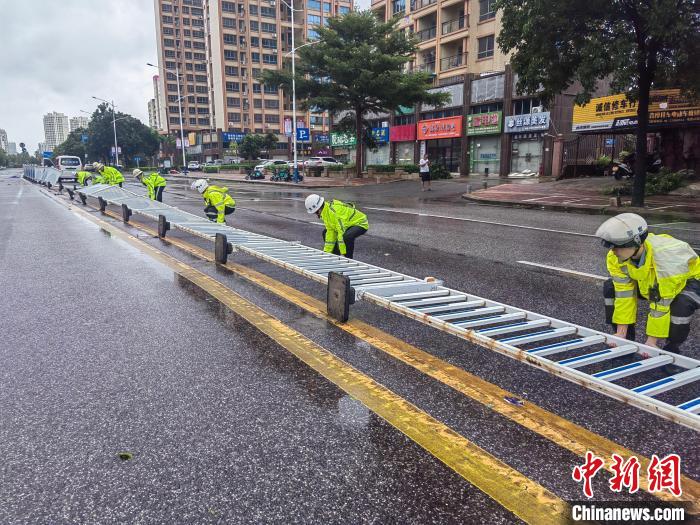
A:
[(160, 116), (222, 47), (56, 129), (79, 123), (152, 114), (3, 140), (11, 148)]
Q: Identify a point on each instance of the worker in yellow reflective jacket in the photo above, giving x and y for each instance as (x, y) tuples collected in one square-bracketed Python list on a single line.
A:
[(219, 202), (344, 223), (83, 176), (661, 269), (110, 175), (155, 184)]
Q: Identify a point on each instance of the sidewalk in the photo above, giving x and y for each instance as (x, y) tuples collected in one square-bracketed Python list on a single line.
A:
[(308, 182), (584, 196)]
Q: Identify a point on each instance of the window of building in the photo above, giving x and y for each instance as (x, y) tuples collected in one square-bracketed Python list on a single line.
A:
[(189, 67), (229, 22), (254, 57), (169, 53), (201, 89), (258, 118), (257, 103), (234, 117), (257, 88), (272, 119), (192, 111), (168, 31), (241, 26), (524, 107), (174, 120), (268, 12), (313, 4), (200, 56), (167, 19), (487, 10), (255, 72), (313, 20), (172, 87), (185, 10), (254, 25), (188, 44), (254, 41), (185, 32), (190, 89), (230, 55), (170, 76), (231, 71), (185, 21), (253, 9), (269, 43), (270, 90), (196, 11), (172, 98), (198, 22), (269, 59), (268, 28), (198, 34), (200, 78), (312, 34), (486, 47), (191, 99), (203, 121), (272, 104), (342, 10), (190, 78), (229, 39), (233, 86), (198, 45), (486, 108), (202, 100), (202, 111), (170, 65), (326, 7), (167, 8), (233, 102), (200, 67), (193, 121), (188, 55)]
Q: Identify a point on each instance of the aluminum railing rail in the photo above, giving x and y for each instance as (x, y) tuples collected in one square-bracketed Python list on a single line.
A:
[(43, 175), (593, 359)]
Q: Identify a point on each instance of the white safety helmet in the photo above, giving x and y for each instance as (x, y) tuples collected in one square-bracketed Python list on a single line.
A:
[(626, 230), (313, 203), (200, 185), (98, 166), (137, 174)]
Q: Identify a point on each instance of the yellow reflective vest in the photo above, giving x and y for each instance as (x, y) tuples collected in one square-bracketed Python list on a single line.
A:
[(218, 197), (111, 176), (152, 182), (82, 176), (337, 217), (663, 271)]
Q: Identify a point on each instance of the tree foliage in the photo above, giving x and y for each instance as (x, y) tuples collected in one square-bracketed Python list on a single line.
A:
[(73, 145), (634, 44), (254, 144), (357, 68)]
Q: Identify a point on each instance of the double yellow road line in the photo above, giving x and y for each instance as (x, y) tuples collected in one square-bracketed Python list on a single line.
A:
[(522, 496)]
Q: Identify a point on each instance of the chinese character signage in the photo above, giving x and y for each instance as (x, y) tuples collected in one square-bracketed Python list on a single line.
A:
[(667, 108), (484, 123), (525, 123), (440, 128), (343, 139), (322, 138), (381, 135), (232, 137)]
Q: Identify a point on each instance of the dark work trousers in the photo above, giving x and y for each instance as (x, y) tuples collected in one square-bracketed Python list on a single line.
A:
[(682, 309), (352, 233), (159, 193), (120, 184), (212, 213)]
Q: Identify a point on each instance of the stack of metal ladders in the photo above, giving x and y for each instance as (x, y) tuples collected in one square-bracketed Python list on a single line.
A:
[(578, 354)]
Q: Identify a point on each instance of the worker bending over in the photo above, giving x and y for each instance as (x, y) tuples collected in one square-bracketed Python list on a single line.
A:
[(344, 223), (219, 202), (110, 175), (661, 269), (153, 182), (83, 176)]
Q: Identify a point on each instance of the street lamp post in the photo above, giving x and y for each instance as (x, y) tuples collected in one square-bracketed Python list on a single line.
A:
[(114, 127), (179, 110)]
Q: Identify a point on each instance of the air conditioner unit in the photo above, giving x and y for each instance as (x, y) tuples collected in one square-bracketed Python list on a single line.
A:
[(536, 109), (273, 3)]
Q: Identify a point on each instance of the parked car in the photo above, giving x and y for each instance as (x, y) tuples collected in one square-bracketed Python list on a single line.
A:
[(272, 164), (193, 165), (322, 162)]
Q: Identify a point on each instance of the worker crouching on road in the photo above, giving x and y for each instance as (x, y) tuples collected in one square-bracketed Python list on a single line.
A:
[(110, 175), (153, 182), (663, 270), (344, 223), (83, 176), (219, 202)]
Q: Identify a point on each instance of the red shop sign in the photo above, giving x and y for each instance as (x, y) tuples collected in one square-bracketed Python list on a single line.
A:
[(440, 128), (404, 133)]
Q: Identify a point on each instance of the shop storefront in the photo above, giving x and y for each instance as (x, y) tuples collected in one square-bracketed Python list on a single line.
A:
[(382, 155), (343, 146), (527, 145), (442, 140), (484, 132), (320, 145), (403, 140)]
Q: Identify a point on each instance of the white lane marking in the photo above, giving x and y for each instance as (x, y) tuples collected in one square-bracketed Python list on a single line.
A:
[(670, 223), (480, 221), (565, 270), (670, 206)]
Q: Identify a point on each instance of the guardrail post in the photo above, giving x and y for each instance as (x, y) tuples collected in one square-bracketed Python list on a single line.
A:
[(222, 248), (83, 199), (126, 213), (71, 193), (339, 296), (103, 204), (163, 226), (60, 187)]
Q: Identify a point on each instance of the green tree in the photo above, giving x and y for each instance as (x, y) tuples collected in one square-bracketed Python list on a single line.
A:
[(636, 44), (4, 160), (269, 141), (133, 137), (357, 68), (252, 145), (73, 145)]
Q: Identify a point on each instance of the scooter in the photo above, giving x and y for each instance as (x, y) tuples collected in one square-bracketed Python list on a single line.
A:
[(621, 169), (255, 175)]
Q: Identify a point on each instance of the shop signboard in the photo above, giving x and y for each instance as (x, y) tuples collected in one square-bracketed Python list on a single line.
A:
[(667, 108), (322, 138), (232, 137), (339, 139), (440, 128), (484, 123), (404, 133), (525, 123), (381, 135)]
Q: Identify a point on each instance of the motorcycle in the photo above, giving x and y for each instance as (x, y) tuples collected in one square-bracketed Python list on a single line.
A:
[(285, 175), (621, 169), (625, 166), (255, 175)]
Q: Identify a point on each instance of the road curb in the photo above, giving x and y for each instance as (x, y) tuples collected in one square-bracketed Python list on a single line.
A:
[(572, 208), (285, 184)]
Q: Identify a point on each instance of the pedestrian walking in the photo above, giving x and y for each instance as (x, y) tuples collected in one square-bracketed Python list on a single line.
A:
[(424, 169), (153, 182), (219, 202), (343, 224), (660, 269)]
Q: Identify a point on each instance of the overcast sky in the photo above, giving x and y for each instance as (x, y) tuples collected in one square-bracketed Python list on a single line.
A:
[(56, 54)]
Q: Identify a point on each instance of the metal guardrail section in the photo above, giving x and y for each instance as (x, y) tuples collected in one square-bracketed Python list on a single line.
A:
[(557, 346), (43, 175)]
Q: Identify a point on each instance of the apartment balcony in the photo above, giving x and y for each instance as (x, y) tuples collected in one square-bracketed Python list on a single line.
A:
[(420, 4), (428, 67), (454, 25), (427, 34), (452, 62)]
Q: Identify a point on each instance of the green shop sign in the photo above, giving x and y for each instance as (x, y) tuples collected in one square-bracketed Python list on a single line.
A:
[(343, 139), (484, 123)]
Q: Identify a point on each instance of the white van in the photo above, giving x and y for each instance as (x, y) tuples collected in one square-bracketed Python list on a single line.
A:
[(68, 163)]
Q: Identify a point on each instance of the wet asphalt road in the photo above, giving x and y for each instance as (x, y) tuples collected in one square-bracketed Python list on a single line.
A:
[(224, 424)]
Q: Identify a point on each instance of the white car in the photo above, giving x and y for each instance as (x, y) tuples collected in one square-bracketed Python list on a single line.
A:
[(272, 164), (322, 162), (193, 165)]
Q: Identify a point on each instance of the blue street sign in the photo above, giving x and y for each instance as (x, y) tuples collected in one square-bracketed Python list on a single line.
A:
[(323, 138), (137, 159), (303, 134), (232, 137), (83, 138), (47, 154), (609, 143), (381, 135)]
